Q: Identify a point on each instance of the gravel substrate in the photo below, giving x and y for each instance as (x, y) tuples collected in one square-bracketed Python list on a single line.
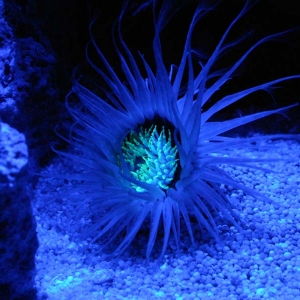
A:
[(261, 263)]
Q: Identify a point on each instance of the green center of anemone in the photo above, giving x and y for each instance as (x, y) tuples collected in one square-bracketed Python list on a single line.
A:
[(151, 157)]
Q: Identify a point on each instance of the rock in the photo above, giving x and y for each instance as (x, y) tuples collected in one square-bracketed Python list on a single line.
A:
[(18, 239)]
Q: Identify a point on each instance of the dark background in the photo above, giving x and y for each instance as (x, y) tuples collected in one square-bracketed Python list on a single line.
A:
[(65, 24)]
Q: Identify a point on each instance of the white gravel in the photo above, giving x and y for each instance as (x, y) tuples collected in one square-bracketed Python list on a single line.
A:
[(263, 263)]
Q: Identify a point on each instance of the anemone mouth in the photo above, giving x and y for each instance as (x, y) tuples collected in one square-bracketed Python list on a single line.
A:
[(151, 155)]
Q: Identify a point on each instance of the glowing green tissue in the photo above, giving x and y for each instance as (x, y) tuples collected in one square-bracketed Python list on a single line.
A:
[(151, 157)]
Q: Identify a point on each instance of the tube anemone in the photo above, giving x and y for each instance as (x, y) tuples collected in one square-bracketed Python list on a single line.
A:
[(147, 146)]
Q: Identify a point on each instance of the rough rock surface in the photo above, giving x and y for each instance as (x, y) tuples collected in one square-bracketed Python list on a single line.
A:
[(29, 91), (18, 239)]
